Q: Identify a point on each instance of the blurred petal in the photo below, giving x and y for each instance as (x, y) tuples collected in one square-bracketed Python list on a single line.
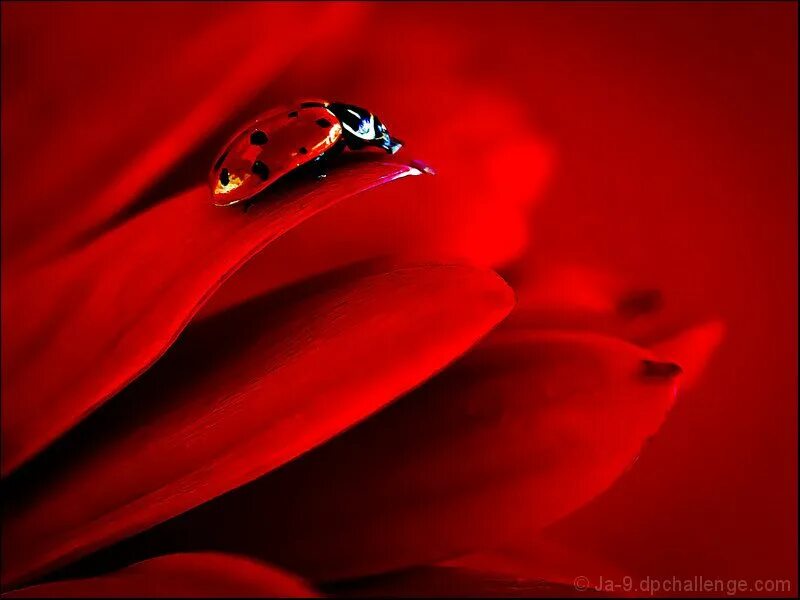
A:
[(543, 558), (580, 296), (523, 430), (85, 146), (199, 575), (584, 298), (492, 159), (490, 171), (454, 582), (79, 329), (692, 349), (239, 395)]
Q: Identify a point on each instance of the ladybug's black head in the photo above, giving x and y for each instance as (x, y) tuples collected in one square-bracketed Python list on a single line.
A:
[(362, 128)]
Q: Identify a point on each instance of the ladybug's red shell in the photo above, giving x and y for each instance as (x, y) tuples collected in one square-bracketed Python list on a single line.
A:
[(275, 144)]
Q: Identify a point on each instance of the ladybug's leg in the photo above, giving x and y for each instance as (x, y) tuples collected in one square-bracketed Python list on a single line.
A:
[(318, 167), (352, 142), (321, 169), (337, 148)]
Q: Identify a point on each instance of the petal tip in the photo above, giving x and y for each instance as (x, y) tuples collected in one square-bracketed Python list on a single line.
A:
[(662, 370), (422, 167)]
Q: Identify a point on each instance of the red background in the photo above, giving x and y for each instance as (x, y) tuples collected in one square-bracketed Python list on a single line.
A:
[(674, 129), (678, 128)]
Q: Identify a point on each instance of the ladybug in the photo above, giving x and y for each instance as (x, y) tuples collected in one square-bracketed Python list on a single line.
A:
[(285, 139)]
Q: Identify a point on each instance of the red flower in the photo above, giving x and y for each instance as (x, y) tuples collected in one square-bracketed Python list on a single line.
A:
[(337, 382)]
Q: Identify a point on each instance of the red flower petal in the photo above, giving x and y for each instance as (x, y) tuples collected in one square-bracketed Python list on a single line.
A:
[(522, 431), (491, 163), (582, 298), (543, 558), (692, 349), (239, 395), (77, 330), (199, 575), (473, 218), (454, 582)]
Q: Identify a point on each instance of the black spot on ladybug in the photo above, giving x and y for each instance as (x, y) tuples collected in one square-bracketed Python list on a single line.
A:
[(323, 123), (258, 138), (303, 150), (312, 105), (293, 114), (221, 160), (224, 177), (260, 169)]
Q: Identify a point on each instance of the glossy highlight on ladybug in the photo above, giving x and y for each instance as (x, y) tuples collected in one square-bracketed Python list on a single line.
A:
[(285, 139)]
